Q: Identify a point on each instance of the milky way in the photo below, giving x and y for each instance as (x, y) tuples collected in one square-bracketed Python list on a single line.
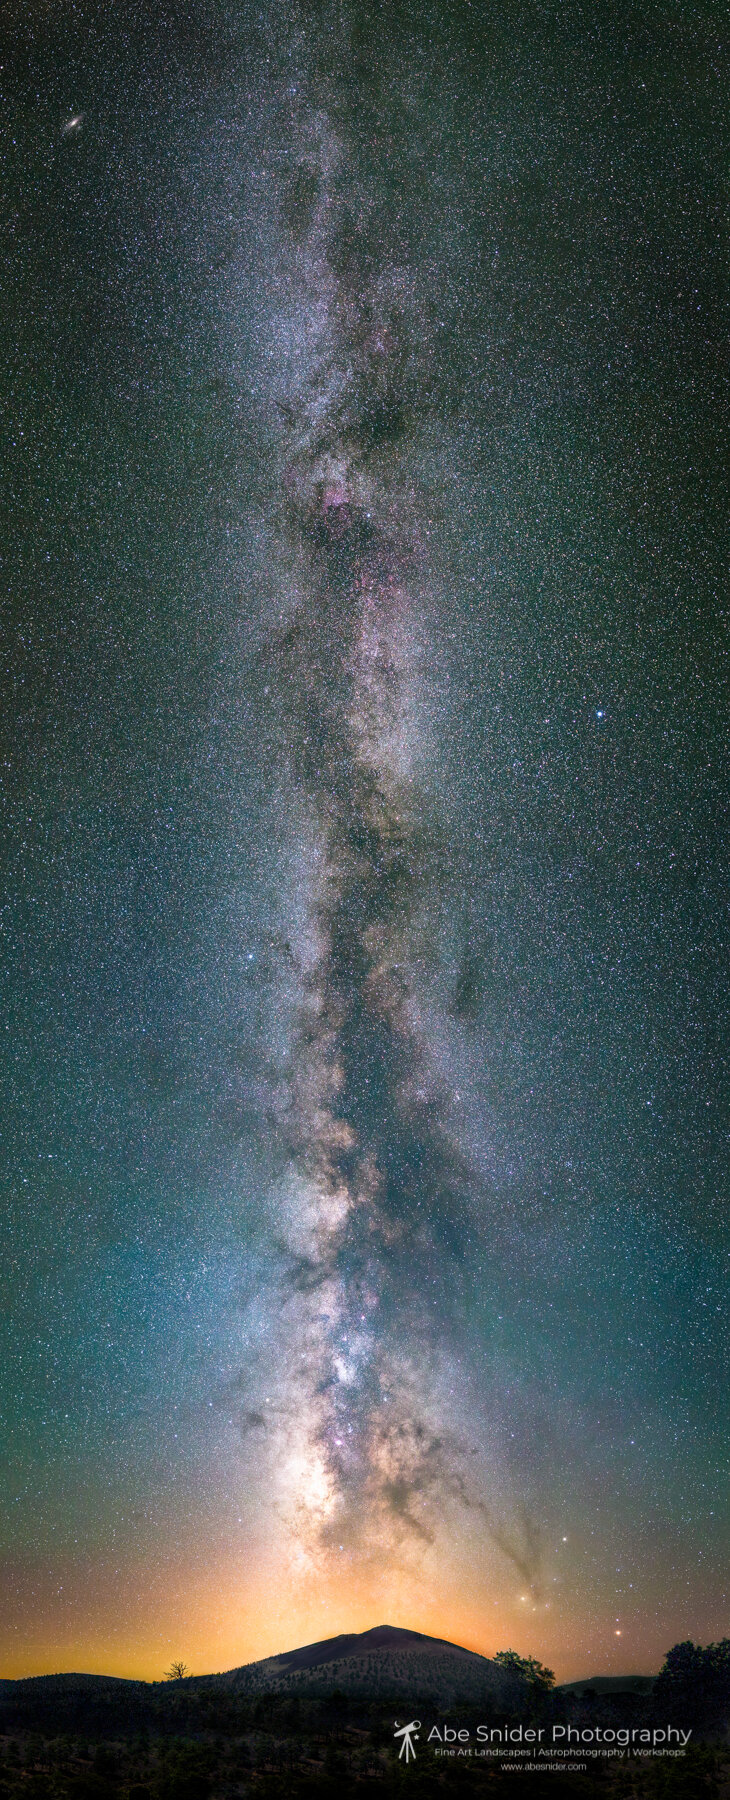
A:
[(378, 1192)]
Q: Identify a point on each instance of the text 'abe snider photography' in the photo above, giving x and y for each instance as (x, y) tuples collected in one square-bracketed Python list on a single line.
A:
[(545, 1740)]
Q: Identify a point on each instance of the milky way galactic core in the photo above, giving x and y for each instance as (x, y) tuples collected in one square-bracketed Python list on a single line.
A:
[(379, 1192)]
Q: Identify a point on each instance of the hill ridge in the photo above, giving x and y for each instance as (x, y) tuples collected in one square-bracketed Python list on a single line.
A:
[(386, 1659)]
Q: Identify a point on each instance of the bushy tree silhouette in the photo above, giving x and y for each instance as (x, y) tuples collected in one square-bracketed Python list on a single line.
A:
[(526, 1668), (694, 1683)]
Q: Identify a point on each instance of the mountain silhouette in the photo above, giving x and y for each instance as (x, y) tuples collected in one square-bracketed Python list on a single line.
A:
[(387, 1659)]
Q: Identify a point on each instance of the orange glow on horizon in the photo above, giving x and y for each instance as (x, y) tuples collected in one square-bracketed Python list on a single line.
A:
[(134, 1622)]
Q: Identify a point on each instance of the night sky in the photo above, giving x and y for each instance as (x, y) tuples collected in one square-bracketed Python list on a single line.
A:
[(364, 943)]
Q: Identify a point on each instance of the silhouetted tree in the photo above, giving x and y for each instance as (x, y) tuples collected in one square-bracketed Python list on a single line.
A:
[(694, 1682), (526, 1668), (176, 1672)]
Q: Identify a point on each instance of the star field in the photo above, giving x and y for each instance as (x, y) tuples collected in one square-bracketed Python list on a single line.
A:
[(364, 1117)]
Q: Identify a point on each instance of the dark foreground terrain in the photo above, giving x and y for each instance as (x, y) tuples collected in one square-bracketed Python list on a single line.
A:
[(80, 1737), (330, 1748)]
